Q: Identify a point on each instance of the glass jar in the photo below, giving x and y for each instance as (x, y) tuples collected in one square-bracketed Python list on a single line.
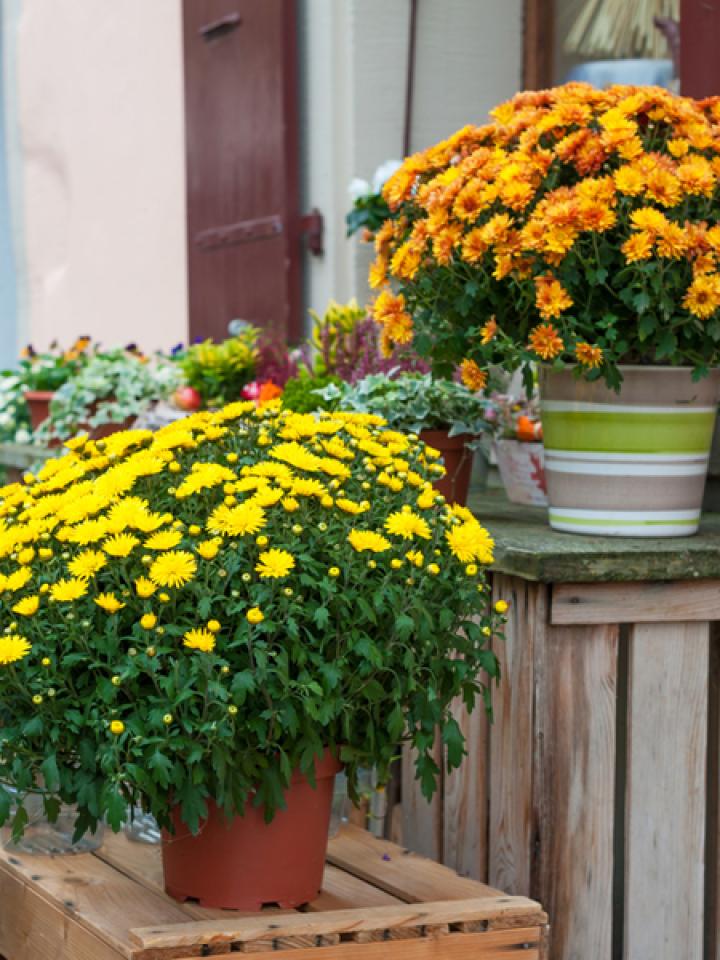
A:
[(43, 837), (142, 827)]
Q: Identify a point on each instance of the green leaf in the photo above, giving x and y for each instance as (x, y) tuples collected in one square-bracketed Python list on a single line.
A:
[(243, 684), (50, 773), (321, 617), (161, 766), (641, 301)]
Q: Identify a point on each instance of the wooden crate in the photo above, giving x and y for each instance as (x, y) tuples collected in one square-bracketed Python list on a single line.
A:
[(377, 901)]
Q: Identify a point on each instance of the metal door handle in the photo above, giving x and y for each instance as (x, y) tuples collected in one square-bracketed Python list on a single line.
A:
[(220, 28)]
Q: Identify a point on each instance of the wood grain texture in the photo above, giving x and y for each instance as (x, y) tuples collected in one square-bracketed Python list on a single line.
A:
[(398, 871), (712, 868), (665, 831), (465, 800), (575, 682), (681, 601), (422, 825), (512, 737), (499, 912), (492, 945)]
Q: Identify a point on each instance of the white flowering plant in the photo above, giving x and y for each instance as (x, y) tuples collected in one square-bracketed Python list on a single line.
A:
[(192, 614)]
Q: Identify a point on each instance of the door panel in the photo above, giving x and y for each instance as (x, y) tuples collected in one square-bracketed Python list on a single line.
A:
[(242, 165)]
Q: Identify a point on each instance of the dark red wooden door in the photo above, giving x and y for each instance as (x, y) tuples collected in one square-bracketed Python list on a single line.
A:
[(242, 165)]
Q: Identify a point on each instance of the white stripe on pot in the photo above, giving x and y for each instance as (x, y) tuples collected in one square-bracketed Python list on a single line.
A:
[(597, 469), (625, 457), (585, 406)]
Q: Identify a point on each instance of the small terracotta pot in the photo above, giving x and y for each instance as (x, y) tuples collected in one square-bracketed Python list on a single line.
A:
[(458, 460), (38, 402), (244, 863)]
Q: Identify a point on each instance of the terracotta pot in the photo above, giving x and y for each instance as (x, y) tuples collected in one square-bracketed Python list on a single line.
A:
[(627, 464), (38, 402), (244, 863), (522, 470), (458, 460)]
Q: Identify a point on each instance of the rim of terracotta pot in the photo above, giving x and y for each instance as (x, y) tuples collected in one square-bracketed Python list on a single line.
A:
[(38, 394), (655, 367), (459, 440)]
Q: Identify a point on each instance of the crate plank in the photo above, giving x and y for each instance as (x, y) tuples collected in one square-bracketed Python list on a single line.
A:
[(511, 735), (412, 919), (398, 871), (493, 945), (582, 603), (576, 677), (97, 897), (665, 821)]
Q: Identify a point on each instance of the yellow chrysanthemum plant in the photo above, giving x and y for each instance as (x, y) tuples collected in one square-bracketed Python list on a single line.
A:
[(578, 227), (192, 614)]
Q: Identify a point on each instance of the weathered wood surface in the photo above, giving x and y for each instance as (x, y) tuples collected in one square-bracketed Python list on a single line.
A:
[(526, 547), (588, 603), (574, 786), (109, 905), (421, 818), (512, 739), (665, 833)]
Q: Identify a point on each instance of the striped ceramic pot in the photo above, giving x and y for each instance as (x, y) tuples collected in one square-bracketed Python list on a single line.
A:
[(628, 464)]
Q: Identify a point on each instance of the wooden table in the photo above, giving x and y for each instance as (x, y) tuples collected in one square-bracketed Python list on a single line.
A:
[(595, 791), (379, 902)]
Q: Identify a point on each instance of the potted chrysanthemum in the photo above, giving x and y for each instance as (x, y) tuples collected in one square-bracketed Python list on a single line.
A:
[(577, 230), (209, 620)]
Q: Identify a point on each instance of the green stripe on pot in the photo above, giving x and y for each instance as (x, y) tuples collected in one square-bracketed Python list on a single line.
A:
[(609, 522), (682, 432)]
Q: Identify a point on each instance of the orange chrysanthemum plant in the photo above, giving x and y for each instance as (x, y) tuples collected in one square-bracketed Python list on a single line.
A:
[(579, 226)]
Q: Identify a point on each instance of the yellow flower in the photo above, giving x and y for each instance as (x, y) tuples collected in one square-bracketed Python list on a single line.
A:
[(12, 648), (199, 639), (433, 568), (87, 563), (501, 606), (551, 298), (27, 606), (246, 518), (255, 615), (334, 571), (703, 296), (117, 727), (208, 549), (173, 569), (470, 541), (144, 587), (26, 556), (121, 545), (406, 524), (361, 540), (274, 564), (164, 540), (109, 602), (395, 563), (415, 557), (350, 506), (17, 579), (472, 376), (309, 487), (67, 590), (202, 477), (148, 621), (290, 504), (214, 626), (45, 553)]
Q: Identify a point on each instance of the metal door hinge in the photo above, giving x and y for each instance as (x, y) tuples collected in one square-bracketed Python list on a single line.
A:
[(313, 226)]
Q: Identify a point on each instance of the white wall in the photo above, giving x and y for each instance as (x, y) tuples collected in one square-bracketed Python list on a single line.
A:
[(100, 116), (468, 59)]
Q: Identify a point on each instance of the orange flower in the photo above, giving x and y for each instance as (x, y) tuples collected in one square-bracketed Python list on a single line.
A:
[(703, 296), (546, 341), (405, 262), (472, 376), (378, 273), (268, 391), (474, 246), (629, 180), (488, 331), (673, 242), (588, 355), (388, 305), (638, 247), (551, 298)]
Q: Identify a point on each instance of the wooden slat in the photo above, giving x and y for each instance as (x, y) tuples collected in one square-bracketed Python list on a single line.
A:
[(465, 800), (511, 735), (712, 920), (493, 945), (400, 872), (32, 928), (587, 603), (96, 897), (575, 680), (264, 932), (665, 833), (422, 825)]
